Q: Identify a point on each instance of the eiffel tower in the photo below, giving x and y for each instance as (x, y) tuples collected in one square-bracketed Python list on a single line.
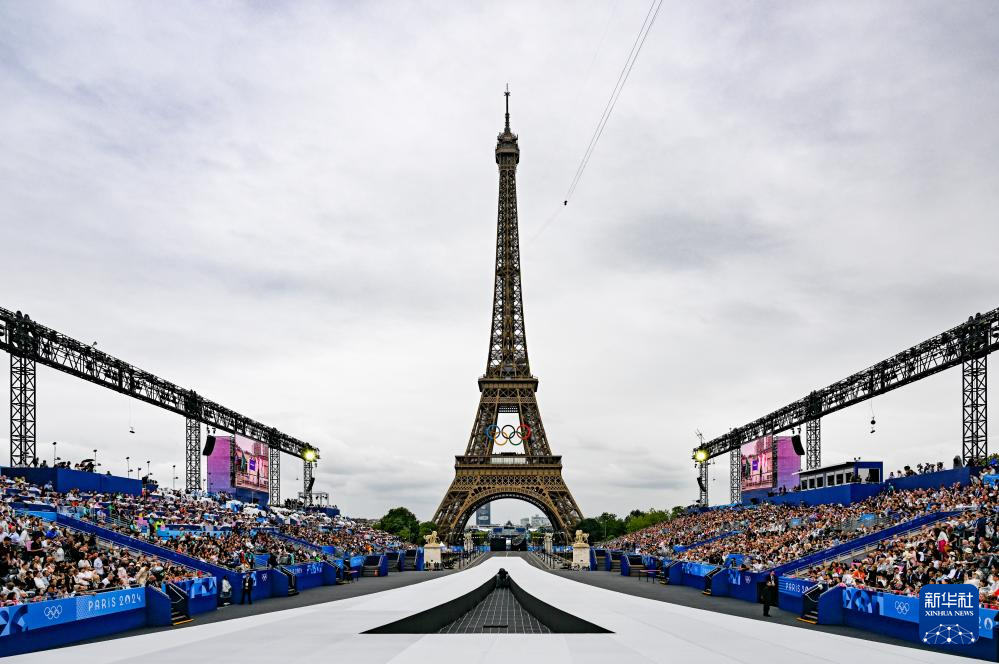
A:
[(488, 471)]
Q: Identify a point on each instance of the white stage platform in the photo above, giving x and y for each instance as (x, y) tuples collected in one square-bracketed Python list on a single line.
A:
[(644, 631)]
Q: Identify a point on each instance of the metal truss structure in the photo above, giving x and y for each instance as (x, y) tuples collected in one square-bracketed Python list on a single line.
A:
[(967, 344), (484, 473), (23, 448), (734, 477), (274, 476), (702, 470), (307, 469), (192, 454), (813, 444), (30, 344)]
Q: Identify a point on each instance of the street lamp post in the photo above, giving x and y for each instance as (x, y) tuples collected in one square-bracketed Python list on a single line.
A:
[(128, 465), (174, 477), (95, 458), (55, 444)]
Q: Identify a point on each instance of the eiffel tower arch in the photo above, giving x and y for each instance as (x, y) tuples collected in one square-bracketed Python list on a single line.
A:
[(488, 471)]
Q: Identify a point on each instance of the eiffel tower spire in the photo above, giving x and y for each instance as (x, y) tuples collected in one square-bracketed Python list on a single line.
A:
[(507, 340), (486, 473)]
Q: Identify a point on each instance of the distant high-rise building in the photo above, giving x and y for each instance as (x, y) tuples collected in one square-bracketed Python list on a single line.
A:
[(525, 522), (483, 515), (538, 521)]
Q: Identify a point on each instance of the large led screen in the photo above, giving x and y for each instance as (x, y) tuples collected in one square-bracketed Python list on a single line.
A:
[(757, 464), (237, 462)]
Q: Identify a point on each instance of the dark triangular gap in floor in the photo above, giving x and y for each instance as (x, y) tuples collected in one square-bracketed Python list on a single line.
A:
[(499, 606)]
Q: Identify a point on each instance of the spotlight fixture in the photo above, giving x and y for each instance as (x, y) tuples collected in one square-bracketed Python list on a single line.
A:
[(700, 455), (309, 454)]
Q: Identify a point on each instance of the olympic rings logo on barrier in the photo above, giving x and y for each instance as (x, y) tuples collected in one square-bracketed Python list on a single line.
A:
[(902, 608), (507, 434), (53, 612)]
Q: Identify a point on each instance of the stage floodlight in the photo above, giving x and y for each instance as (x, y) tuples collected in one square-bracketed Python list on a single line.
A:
[(309, 454), (701, 455)]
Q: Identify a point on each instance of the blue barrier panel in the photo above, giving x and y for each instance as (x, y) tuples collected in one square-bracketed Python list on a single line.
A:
[(936, 480), (719, 584), (279, 582), (40, 625), (64, 480), (158, 607), (831, 606), (897, 616), (790, 593), (842, 494), (745, 585), (202, 594), (331, 573), (307, 575), (694, 573)]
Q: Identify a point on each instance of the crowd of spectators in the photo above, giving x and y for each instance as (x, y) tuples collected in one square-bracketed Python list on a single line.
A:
[(960, 549), (41, 561), (225, 532), (681, 531), (769, 535)]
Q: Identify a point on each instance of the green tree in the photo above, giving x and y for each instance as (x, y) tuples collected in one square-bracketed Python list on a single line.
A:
[(638, 520), (400, 522)]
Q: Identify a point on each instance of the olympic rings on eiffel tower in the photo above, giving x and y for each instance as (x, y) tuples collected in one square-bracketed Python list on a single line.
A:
[(507, 434)]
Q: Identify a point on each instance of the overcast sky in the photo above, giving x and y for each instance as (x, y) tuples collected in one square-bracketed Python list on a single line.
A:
[(291, 208)]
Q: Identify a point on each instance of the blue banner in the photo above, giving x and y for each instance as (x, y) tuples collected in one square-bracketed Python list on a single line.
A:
[(697, 569), (907, 609), (738, 577), (796, 587), (865, 601), (305, 568), (39, 615), (986, 622), (200, 587), (900, 607)]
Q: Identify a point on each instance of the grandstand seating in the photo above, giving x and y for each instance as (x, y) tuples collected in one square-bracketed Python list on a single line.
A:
[(888, 544), (170, 550)]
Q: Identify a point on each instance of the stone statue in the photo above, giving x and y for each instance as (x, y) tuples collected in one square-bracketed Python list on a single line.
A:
[(431, 539), (581, 538)]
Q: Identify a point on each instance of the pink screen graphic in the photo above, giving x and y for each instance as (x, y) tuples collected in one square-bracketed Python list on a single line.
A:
[(250, 464), (245, 469), (757, 464)]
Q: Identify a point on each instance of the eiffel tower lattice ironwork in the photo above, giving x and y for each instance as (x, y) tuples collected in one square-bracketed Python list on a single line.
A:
[(485, 473)]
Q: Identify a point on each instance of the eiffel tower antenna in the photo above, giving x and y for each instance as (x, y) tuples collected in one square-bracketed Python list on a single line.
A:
[(488, 471), (507, 95)]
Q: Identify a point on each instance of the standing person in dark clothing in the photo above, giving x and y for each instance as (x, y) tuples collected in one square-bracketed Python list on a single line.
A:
[(769, 593), (248, 583)]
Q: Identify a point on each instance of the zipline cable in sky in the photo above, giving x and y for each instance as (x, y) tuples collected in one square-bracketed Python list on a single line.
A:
[(636, 48)]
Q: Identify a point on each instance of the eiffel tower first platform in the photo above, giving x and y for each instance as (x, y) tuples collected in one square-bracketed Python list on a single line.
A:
[(488, 470)]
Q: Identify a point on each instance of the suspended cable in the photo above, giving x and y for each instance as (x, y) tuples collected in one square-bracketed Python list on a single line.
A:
[(636, 49)]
